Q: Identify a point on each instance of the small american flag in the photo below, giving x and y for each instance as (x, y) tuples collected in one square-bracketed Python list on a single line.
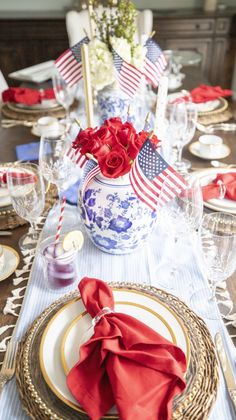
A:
[(155, 62), (91, 169), (148, 174), (69, 64), (76, 157), (129, 77)]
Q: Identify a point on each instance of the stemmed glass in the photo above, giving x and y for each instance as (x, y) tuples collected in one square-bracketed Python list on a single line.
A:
[(218, 244), (180, 217), (55, 163), (182, 120), (64, 94), (27, 191)]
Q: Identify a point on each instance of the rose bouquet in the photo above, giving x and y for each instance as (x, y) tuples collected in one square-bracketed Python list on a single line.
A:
[(114, 146)]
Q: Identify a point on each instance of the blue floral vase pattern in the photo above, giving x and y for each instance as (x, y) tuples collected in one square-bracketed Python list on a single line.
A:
[(113, 103), (115, 219)]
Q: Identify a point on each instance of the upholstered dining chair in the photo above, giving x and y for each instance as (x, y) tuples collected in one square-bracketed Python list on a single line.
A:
[(3, 85), (78, 22)]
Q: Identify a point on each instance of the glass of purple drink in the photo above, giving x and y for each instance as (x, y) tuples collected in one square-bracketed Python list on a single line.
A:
[(60, 266)]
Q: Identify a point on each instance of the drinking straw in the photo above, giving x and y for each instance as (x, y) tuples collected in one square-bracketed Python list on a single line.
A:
[(87, 85), (60, 220)]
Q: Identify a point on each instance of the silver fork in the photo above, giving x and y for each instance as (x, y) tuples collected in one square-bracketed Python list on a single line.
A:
[(9, 363), (214, 127)]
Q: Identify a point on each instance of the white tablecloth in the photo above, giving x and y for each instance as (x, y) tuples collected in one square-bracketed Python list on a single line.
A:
[(140, 267)]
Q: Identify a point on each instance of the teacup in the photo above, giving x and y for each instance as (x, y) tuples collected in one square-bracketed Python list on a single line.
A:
[(47, 124), (210, 145)]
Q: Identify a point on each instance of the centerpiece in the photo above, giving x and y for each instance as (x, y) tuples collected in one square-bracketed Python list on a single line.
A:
[(119, 192)]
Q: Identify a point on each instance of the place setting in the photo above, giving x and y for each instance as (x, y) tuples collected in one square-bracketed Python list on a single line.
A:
[(117, 298)]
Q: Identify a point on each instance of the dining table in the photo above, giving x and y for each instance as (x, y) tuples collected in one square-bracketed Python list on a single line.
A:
[(18, 135)]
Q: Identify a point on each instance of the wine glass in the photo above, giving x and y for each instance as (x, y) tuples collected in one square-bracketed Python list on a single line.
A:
[(27, 191), (191, 112), (218, 245), (55, 163), (180, 217), (64, 94)]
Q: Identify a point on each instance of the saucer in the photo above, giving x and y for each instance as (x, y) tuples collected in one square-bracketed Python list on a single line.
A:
[(35, 130), (11, 261), (224, 151)]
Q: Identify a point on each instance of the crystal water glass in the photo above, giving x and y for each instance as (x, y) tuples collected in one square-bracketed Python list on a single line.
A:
[(56, 165), (180, 216), (27, 191), (218, 248), (64, 94)]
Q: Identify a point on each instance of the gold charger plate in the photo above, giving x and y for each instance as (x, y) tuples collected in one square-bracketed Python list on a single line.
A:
[(223, 105), (202, 375), (12, 260)]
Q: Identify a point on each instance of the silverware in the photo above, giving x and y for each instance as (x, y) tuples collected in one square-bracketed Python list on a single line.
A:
[(218, 164), (208, 129), (5, 233), (226, 368), (12, 123), (9, 363)]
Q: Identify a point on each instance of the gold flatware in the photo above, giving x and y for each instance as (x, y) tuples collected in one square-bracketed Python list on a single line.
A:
[(9, 363), (226, 368)]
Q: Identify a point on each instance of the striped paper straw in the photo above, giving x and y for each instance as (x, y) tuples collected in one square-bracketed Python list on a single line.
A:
[(60, 220)]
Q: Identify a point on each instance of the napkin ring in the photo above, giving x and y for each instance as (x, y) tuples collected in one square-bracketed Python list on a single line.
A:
[(222, 189), (104, 311)]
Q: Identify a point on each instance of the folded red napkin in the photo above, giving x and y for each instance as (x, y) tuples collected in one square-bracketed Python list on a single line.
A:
[(205, 93), (125, 363), (214, 190), (27, 96)]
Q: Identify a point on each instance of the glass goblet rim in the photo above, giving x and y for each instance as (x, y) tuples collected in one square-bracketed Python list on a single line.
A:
[(224, 234)]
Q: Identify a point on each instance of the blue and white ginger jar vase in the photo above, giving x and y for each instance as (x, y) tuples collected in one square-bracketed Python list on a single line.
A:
[(115, 219)]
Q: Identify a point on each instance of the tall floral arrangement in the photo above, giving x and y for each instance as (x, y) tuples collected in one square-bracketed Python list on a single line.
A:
[(115, 29)]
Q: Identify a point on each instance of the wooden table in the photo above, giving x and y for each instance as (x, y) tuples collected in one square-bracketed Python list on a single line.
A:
[(11, 137)]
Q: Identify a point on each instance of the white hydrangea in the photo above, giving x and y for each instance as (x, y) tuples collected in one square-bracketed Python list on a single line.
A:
[(138, 57), (122, 47), (101, 64)]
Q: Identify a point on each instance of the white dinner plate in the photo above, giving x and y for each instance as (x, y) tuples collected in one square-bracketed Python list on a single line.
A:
[(11, 261), (35, 130), (206, 177), (201, 107), (59, 348), (44, 105), (222, 152), (38, 73)]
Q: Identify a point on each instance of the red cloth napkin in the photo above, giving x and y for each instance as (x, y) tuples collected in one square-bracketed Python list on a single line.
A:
[(213, 190), (205, 93), (27, 96), (125, 363)]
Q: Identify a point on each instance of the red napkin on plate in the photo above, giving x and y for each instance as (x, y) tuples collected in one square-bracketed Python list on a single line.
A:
[(205, 93), (125, 363), (214, 189), (27, 96)]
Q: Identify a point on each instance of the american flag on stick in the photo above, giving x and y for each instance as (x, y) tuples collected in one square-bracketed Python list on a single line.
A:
[(69, 64), (76, 157), (147, 176), (128, 76), (91, 169), (155, 62)]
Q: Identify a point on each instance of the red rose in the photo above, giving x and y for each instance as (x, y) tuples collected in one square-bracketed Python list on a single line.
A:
[(114, 164), (113, 123), (126, 134), (82, 138), (108, 141), (91, 146), (8, 95)]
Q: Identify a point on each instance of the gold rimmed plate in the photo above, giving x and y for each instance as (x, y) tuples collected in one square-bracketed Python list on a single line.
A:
[(59, 348), (11, 261)]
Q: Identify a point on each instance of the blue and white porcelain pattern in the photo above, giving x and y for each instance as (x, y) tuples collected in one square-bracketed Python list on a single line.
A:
[(112, 102), (115, 219)]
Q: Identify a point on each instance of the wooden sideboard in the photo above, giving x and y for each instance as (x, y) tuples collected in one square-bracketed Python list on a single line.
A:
[(213, 35), (28, 40)]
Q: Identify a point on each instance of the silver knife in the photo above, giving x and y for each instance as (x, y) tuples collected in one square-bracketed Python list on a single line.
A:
[(5, 233), (226, 368)]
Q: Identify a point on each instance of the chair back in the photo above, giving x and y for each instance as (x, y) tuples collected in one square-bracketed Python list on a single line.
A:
[(78, 24)]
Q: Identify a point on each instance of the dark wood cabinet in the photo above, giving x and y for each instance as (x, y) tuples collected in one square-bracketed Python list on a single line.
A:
[(25, 41), (213, 35)]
